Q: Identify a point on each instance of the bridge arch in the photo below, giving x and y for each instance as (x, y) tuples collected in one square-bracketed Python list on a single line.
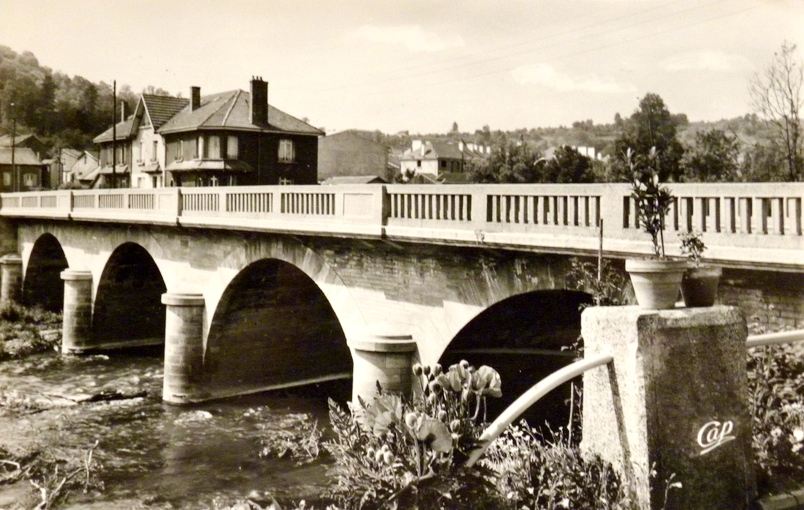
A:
[(128, 308), (526, 337), (43, 285), (273, 326)]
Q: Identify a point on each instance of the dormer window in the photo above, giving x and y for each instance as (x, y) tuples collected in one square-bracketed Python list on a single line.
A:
[(287, 154)]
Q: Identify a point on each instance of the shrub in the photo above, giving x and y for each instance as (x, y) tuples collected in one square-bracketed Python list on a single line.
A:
[(398, 454)]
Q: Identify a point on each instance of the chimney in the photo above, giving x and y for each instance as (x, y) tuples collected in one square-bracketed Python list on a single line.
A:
[(259, 101), (123, 111), (195, 98)]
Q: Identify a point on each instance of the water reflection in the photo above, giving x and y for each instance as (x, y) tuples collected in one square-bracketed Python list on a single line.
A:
[(184, 457)]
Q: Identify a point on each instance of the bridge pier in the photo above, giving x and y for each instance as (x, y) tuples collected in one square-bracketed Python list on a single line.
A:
[(77, 314), (672, 406), (184, 347), (385, 357), (11, 274)]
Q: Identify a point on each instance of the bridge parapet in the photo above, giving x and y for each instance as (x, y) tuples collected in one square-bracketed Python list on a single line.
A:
[(744, 224)]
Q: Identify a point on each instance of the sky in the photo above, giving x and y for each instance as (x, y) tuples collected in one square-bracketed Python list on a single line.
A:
[(421, 65)]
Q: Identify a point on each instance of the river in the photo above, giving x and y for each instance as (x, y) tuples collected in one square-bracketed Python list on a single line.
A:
[(154, 455)]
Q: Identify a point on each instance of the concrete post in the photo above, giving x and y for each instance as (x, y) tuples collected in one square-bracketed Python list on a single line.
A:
[(184, 347), (384, 357), (673, 402), (11, 285), (77, 314)]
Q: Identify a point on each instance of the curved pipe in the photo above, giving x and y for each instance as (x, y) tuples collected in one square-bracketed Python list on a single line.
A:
[(775, 338), (530, 397)]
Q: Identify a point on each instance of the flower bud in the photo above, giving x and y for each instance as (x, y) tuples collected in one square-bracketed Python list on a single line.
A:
[(437, 369), (410, 420), (435, 387), (388, 457), (426, 369), (378, 456), (417, 369), (442, 415), (454, 425)]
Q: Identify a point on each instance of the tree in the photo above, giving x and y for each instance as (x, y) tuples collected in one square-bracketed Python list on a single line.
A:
[(568, 166), (454, 129), (715, 157), (651, 126), (512, 162), (776, 96)]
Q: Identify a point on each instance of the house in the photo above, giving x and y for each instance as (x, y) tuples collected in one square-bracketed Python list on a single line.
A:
[(115, 168), (85, 171), (352, 153), (435, 159), (21, 169), (237, 138), (148, 150), (29, 141)]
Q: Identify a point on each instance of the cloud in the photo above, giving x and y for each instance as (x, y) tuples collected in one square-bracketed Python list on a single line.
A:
[(414, 37), (707, 60), (546, 76)]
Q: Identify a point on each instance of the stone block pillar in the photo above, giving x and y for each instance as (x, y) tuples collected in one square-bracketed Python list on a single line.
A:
[(673, 401), (184, 347), (11, 274), (77, 314), (384, 356)]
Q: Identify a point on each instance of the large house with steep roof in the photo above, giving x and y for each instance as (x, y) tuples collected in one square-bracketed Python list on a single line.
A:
[(237, 138), (224, 139), (21, 170)]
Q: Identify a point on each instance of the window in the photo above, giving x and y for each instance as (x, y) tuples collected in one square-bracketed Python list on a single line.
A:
[(6, 178), (155, 181), (213, 181), (286, 152), (29, 180), (213, 147), (139, 152), (180, 153), (199, 148), (231, 147), (418, 163), (153, 152)]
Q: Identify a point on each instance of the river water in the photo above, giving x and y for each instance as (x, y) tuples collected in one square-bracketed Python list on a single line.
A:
[(154, 455)]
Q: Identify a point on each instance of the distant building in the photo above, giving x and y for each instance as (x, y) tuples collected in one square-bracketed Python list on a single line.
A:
[(352, 153), (29, 141), (435, 160), (21, 170), (354, 179), (115, 168)]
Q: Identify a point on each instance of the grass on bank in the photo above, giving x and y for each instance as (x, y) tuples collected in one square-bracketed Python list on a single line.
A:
[(25, 331)]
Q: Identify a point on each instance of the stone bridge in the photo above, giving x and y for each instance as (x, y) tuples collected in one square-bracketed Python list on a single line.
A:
[(279, 282)]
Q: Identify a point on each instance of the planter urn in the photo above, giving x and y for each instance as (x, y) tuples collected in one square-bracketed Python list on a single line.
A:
[(656, 282), (699, 285)]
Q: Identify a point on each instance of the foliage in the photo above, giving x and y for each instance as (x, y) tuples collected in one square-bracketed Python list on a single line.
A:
[(652, 199), (714, 157), (776, 94), (398, 454), (651, 129), (511, 162), (25, 331), (568, 166), (611, 289), (692, 245), (536, 473)]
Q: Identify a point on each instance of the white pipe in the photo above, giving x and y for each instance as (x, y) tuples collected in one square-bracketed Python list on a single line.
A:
[(782, 337), (532, 396)]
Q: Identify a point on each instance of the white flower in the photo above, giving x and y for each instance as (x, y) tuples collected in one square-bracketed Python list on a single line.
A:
[(798, 435)]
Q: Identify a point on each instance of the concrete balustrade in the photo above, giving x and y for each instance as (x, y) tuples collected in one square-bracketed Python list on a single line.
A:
[(673, 403), (744, 223), (77, 313), (384, 356), (184, 347), (11, 274)]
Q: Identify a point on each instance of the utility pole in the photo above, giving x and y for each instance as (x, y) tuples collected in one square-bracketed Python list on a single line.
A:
[(114, 134), (13, 148)]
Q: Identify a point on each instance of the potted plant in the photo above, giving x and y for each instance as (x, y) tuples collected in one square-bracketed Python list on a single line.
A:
[(656, 280), (699, 285)]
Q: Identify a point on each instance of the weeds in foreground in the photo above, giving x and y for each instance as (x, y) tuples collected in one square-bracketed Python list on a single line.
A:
[(301, 444), (52, 474), (25, 331)]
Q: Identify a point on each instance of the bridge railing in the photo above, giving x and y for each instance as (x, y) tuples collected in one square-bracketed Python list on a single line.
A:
[(741, 222)]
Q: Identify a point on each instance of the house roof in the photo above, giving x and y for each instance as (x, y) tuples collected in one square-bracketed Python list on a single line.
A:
[(431, 150), (161, 108), (124, 131), (22, 156), (354, 179), (5, 140), (231, 110)]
